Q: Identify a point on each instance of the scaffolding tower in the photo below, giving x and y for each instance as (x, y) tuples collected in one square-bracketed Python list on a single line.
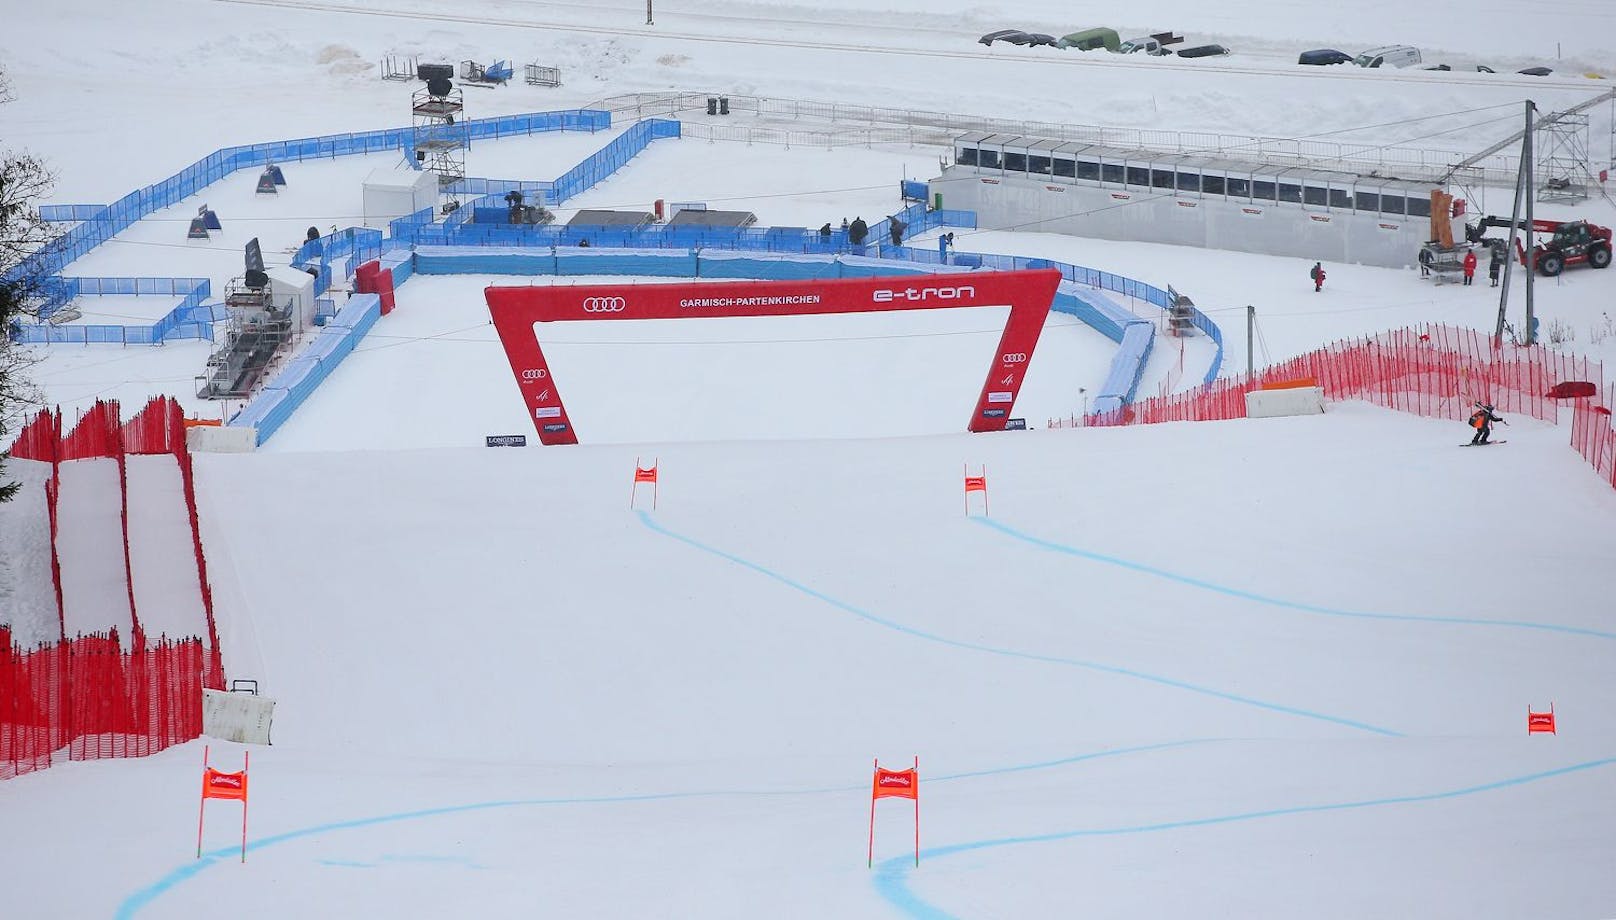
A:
[(258, 329), (440, 135), (1562, 158)]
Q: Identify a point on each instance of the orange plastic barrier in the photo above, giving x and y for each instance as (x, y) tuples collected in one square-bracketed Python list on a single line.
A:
[(1295, 384)]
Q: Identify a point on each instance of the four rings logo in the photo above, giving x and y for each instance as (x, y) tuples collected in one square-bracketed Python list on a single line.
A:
[(605, 305), (534, 373), (1015, 357)]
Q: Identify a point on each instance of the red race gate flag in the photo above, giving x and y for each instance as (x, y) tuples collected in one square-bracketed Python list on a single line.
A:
[(644, 475), (976, 484), (1540, 721), (219, 785), (903, 784)]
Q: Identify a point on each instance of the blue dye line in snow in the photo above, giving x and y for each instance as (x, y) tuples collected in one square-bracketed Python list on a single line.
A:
[(892, 875), (1278, 601), (645, 518), (138, 901)]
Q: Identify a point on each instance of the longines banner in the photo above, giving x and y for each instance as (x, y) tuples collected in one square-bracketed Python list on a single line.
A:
[(1028, 294)]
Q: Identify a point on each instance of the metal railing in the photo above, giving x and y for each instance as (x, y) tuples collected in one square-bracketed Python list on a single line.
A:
[(891, 126)]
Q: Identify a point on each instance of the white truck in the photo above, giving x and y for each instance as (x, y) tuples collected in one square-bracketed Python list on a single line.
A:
[(1155, 44)]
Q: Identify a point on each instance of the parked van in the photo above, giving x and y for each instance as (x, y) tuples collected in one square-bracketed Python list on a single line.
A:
[(1090, 39), (1389, 56)]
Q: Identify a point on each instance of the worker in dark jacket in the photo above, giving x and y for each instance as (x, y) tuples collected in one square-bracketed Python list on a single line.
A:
[(896, 227), (857, 231), (1493, 267)]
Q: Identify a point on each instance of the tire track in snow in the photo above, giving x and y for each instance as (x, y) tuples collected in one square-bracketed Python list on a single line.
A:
[(892, 875), (866, 615), (1214, 587), (134, 903)]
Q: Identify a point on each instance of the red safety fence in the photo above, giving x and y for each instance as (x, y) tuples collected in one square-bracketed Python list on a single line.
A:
[(1432, 371), (41, 440), (88, 698), (95, 435), (1593, 433), (160, 429)]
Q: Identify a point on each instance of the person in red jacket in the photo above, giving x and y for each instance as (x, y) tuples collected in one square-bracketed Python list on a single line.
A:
[(1469, 266), (1317, 274)]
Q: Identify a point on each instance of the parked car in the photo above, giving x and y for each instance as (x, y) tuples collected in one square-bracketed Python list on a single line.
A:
[(1483, 68), (1323, 57), (1203, 51), (999, 36), (1536, 71), (1436, 67), (1034, 39), (1389, 56), (1090, 39)]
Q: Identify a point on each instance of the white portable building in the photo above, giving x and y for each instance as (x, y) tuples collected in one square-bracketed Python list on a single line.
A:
[(393, 192)]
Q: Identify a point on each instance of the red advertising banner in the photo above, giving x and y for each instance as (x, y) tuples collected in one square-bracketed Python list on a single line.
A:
[(219, 785), (903, 784), (1028, 294), (1537, 722)]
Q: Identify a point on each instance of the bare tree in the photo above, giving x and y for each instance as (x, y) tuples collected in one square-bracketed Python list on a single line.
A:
[(23, 181)]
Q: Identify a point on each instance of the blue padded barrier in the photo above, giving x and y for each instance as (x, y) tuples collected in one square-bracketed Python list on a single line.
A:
[(474, 260), (401, 262), (295, 382), (714, 263), (1129, 363), (573, 260)]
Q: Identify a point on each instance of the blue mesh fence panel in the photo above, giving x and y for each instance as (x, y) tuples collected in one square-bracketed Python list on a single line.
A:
[(609, 159), (57, 213)]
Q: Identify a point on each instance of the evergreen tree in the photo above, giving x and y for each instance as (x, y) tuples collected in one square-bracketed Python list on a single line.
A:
[(23, 180)]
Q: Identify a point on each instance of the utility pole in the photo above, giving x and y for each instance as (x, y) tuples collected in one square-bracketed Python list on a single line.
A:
[(1522, 186), (1531, 249), (648, 13), (1251, 324)]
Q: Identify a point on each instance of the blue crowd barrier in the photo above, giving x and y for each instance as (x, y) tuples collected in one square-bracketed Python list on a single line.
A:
[(118, 216), (609, 159), (63, 213), (183, 321)]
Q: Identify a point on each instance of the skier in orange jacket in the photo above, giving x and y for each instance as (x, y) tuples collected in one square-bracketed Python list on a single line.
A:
[(1482, 420)]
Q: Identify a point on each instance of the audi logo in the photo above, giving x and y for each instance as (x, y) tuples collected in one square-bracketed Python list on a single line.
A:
[(534, 373), (1019, 357), (605, 305)]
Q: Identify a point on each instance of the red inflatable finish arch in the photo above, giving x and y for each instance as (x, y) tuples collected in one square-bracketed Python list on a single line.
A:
[(1028, 294)]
